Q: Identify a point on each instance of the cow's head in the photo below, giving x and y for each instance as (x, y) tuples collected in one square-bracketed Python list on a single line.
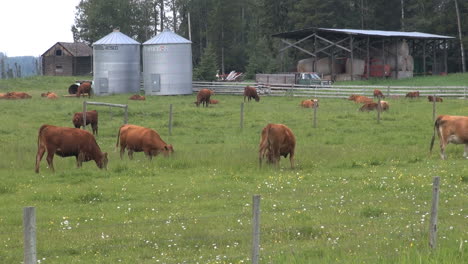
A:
[(257, 98), (102, 161), (77, 120), (168, 149)]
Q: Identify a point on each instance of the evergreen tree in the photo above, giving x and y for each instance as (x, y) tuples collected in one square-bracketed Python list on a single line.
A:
[(207, 68)]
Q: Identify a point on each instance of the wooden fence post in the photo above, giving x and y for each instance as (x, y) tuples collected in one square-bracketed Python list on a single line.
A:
[(379, 108), (170, 120), (126, 115), (434, 211), (84, 115), (315, 113), (256, 229), (242, 115), (29, 227), (434, 108)]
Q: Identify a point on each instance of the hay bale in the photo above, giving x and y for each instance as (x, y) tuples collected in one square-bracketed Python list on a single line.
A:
[(409, 63), (358, 66), (390, 60), (401, 47), (306, 65)]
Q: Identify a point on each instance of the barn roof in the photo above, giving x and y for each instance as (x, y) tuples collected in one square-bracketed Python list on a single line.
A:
[(77, 49), (167, 37), (116, 38), (302, 33)]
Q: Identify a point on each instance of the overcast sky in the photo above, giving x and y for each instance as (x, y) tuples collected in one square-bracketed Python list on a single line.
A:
[(30, 27)]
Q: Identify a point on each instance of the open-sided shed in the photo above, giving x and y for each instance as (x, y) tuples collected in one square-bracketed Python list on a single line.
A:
[(365, 44)]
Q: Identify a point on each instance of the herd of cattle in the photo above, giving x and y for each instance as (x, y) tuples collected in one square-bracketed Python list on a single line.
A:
[(276, 139)]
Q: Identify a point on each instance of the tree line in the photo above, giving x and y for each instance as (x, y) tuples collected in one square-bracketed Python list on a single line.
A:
[(17, 67), (236, 35)]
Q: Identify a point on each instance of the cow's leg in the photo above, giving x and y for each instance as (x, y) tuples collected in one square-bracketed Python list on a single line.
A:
[(130, 154), (50, 159), (94, 126), (443, 144), (291, 159), (79, 160), (465, 154), (40, 154), (122, 151)]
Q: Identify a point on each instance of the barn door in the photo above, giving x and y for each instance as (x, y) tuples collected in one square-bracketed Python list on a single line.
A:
[(155, 82), (103, 85)]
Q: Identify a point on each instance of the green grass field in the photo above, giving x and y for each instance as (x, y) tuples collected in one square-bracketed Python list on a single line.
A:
[(360, 193)]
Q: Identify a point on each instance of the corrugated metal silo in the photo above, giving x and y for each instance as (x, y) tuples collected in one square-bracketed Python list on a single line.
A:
[(116, 64), (167, 64)]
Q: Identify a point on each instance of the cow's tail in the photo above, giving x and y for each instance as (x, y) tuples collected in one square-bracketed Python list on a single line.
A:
[(436, 128), (118, 138), (41, 129)]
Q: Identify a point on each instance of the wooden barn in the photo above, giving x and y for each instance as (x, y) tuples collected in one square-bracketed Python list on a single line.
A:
[(67, 59)]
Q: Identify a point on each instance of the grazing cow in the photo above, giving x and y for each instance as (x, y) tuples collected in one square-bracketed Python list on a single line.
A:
[(85, 87), (310, 103), (430, 98), (67, 142), (137, 97), (451, 129), (203, 97), (214, 101), (412, 94), (91, 118), (138, 139), (276, 140), (378, 93), (52, 96), (250, 92)]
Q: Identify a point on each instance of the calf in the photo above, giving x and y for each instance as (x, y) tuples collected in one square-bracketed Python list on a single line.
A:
[(45, 94), (412, 94), (52, 96), (91, 118), (359, 99), (431, 98), (378, 93), (137, 97), (138, 139), (16, 95), (203, 97), (450, 129), (85, 87), (67, 142), (214, 101), (374, 106), (276, 140), (250, 92), (310, 103)]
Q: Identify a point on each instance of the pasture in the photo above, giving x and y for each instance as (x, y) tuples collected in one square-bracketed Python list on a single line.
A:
[(360, 192)]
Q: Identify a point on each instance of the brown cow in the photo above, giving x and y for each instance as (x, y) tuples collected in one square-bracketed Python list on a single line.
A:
[(138, 139), (374, 106), (360, 99), (85, 87), (430, 98), (67, 142), (250, 92), (45, 94), (276, 140), (412, 94), (378, 93), (91, 118), (52, 96), (451, 129), (214, 101), (310, 103), (16, 95), (203, 97), (137, 97)]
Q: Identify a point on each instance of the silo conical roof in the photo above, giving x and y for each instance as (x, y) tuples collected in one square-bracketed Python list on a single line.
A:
[(116, 38), (167, 37)]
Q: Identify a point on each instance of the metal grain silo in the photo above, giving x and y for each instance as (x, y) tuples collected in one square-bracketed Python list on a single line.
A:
[(167, 65), (116, 64)]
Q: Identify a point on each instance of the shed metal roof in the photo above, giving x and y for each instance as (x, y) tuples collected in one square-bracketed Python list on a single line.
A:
[(116, 38), (167, 37), (297, 34)]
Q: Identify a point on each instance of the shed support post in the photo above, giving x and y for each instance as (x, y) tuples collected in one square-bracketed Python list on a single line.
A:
[(368, 58), (434, 64), (424, 57), (352, 57), (445, 57)]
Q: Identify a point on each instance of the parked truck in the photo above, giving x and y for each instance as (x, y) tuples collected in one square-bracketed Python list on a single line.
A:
[(305, 78)]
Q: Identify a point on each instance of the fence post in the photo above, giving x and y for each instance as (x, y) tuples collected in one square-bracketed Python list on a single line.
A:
[(256, 229), (434, 108), (464, 92), (379, 107), (434, 212), (126, 115), (242, 115), (29, 227), (84, 115), (315, 113), (170, 120)]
